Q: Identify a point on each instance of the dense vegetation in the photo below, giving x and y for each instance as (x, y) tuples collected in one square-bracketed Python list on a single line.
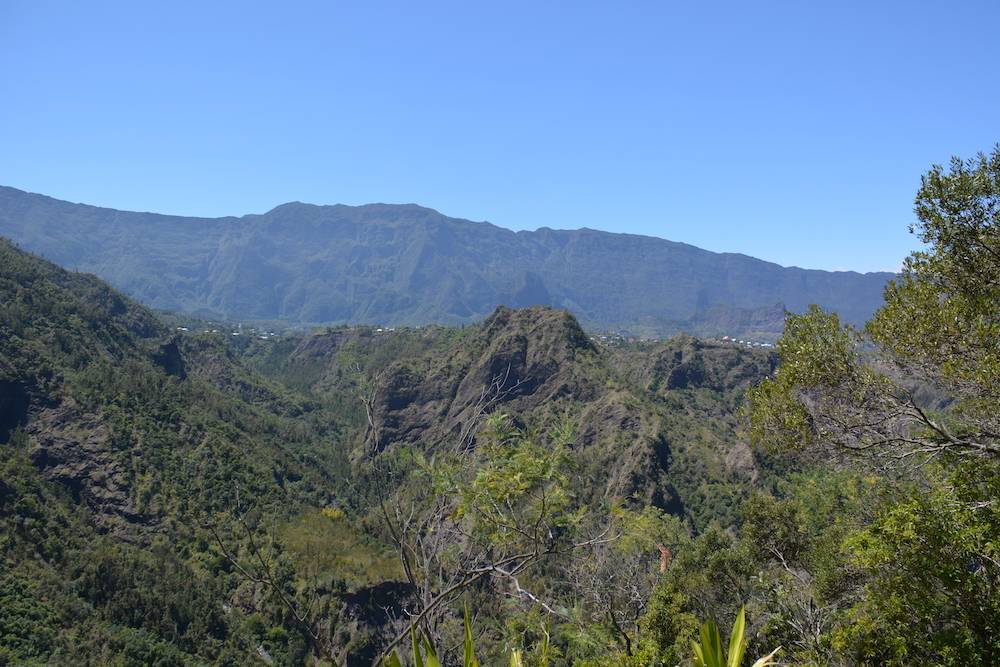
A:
[(191, 498), (115, 453), (407, 265), (916, 394), (139, 459)]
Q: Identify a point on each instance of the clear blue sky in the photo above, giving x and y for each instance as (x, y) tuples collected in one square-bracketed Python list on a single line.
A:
[(788, 131)]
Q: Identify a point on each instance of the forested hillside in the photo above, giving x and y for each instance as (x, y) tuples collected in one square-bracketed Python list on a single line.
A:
[(128, 448), (178, 497), (408, 265), (118, 448)]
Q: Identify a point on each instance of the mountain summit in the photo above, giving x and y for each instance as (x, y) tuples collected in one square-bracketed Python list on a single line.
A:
[(409, 265)]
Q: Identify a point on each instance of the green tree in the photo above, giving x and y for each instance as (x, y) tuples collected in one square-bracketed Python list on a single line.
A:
[(937, 337), (483, 518), (917, 393)]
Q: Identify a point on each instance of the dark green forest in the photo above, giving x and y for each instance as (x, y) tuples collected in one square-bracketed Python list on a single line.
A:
[(512, 488)]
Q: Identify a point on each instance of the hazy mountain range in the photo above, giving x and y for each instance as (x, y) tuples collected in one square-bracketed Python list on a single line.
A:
[(409, 265)]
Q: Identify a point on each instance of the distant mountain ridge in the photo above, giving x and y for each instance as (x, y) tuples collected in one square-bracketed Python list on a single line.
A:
[(409, 265)]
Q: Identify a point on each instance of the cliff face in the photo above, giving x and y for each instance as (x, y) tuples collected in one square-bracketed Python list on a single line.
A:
[(539, 366), (522, 360), (685, 362)]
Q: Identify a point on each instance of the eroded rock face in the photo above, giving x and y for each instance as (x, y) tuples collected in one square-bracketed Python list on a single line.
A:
[(521, 360), (534, 364), (707, 379), (630, 456), (73, 448), (739, 460), (316, 347), (684, 362)]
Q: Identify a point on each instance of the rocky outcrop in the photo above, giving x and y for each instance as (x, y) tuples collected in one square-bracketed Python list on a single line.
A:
[(368, 620), (73, 448), (520, 360), (322, 345), (684, 362), (538, 365), (624, 453)]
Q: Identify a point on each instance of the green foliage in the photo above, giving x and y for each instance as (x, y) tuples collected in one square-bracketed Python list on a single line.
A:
[(838, 567), (666, 629), (917, 571), (28, 627), (709, 653), (520, 482), (326, 546), (640, 531), (176, 427), (939, 326), (932, 562), (817, 353), (424, 654), (142, 452), (942, 312), (468, 646)]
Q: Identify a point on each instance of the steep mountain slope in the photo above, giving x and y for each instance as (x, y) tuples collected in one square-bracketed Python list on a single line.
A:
[(410, 265), (118, 442), (105, 393), (654, 422), (122, 440)]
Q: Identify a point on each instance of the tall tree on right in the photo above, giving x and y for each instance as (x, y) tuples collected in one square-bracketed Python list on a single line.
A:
[(917, 394)]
